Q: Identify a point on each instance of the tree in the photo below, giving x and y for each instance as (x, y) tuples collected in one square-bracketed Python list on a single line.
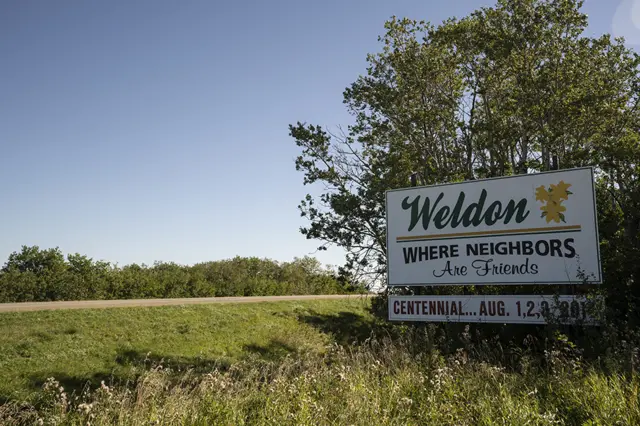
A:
[(33, 259), (502, 91)]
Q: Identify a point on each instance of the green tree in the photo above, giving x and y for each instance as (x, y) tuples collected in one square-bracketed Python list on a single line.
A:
[(33, 259), (502, 91)]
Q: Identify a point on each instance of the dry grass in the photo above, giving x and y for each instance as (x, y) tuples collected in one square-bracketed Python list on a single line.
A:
[(381, 382)]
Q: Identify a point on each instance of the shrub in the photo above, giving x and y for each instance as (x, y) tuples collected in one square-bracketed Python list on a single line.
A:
[(45, 275)]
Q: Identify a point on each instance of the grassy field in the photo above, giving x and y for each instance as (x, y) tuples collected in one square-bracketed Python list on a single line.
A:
[(77, 346), (284, 363)]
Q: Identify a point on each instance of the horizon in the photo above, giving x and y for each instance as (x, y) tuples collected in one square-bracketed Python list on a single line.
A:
[(157, 131)]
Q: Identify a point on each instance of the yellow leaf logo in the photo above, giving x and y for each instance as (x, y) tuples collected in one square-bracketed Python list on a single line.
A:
[(552, 198)]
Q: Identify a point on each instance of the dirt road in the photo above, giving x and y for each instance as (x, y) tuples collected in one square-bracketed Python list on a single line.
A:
[(96, 304)]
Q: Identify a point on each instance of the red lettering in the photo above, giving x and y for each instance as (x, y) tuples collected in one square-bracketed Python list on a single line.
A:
[(454, 308), (492, 308), (483, 308)]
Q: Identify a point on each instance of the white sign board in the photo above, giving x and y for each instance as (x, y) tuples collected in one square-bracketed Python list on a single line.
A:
[(528, 229), (493, 309)]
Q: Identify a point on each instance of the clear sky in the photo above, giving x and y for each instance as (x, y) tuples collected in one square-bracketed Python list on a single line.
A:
[(135, 131)]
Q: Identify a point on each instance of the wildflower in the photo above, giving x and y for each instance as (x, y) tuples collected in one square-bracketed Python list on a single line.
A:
[(406, 401), (85, 408), (106, 389)]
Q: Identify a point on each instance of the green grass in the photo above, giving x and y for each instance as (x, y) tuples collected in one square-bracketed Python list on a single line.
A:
[(76, 346), (285, 363)]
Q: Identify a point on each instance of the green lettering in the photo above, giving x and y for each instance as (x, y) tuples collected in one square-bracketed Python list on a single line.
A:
[(418, 213), (474, 214), (476, 210), (521, 213), (493, 213), (441, 217), (455, 214)]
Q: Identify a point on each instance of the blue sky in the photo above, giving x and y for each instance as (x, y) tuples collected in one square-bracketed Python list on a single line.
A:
[(157, 130)]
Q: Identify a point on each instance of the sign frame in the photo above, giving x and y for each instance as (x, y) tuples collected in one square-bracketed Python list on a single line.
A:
[(597, 280)]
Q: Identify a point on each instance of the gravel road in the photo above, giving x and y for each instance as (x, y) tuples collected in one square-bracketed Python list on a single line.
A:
[(97, 304)]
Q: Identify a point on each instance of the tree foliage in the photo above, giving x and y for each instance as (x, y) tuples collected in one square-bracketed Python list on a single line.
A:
[(503, 91), (33, 274)]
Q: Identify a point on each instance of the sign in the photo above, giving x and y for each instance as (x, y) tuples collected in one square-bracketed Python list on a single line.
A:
[(491, 309), (527, 229)]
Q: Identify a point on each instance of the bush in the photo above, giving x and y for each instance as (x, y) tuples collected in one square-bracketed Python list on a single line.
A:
[(45, 275)]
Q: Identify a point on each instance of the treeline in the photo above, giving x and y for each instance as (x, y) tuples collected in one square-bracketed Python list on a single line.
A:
[(34, 274)]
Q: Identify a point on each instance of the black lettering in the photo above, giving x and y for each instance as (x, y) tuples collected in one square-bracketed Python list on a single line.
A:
[(568, 245), (524, 268), (410, 254), (424, 253), (501, 308), (481, 266), (501, 248), (444, 251), (484, 249), (555, 247), (472, 249), (396, 307), (527, 248), (445, 270), (544, 245)]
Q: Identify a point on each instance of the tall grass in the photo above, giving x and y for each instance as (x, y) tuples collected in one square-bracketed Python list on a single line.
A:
[(381, 382)]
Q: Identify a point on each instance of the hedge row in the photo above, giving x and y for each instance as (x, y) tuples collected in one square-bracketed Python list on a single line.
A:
[(46, 275)]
